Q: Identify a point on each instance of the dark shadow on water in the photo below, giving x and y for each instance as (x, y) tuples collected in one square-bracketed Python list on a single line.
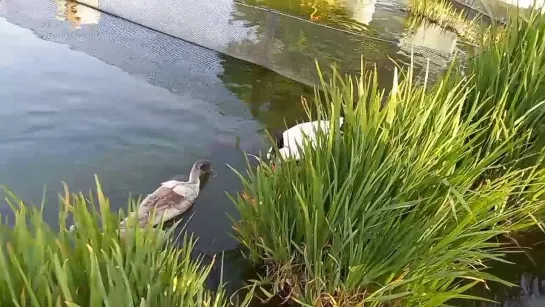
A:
[(526, 270), (271, 98)]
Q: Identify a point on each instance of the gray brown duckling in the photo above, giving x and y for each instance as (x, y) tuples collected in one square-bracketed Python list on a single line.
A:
[(171, 199)]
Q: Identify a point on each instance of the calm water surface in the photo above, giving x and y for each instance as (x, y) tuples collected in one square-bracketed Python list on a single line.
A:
[(382, 18), (84, 93), (67, 115)]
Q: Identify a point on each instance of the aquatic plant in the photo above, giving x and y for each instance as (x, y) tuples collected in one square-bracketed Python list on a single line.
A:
[(389, 214), (92, 266), (508, 75), (443, 13)]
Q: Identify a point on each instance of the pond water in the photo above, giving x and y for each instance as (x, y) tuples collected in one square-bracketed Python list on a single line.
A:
[(350, 15), (288, 42), (83, 93)]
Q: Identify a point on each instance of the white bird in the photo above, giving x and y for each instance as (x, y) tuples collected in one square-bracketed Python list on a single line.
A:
[(171, 199), (289, 141)]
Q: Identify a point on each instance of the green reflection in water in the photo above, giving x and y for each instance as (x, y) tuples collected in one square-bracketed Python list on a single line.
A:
[(272, 99), (292, 46), (335, 13)]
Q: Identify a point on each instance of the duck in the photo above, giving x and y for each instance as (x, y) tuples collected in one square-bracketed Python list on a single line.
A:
[(170, 199), (290, 141)]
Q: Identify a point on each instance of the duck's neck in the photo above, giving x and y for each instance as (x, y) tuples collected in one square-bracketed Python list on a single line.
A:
[(194, 176)]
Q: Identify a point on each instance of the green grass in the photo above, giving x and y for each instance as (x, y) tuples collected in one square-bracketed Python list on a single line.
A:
[(509, 76), (406, 208), (390, 214), (92, 266)]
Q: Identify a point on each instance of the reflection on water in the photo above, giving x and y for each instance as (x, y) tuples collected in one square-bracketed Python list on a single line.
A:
[(431, 36), (361, 10), (280, 42), (429, 44), (291, 47), (272, 98), (77, 14), (352, 15)]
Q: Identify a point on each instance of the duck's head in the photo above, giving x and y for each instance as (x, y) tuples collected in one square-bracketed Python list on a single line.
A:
[(202, 167), (278, 138)]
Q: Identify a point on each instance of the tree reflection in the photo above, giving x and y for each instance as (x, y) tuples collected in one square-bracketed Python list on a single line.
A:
[(291, 46), (271, 97), (337, 13)]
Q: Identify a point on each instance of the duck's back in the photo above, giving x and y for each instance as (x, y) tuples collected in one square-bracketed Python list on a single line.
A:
[(296, 134), (171, 199)]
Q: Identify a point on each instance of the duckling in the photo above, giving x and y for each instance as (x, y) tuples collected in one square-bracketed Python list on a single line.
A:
[(171, 199), (288, 141)]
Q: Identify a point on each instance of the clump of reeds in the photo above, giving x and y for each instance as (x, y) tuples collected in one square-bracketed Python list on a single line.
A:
[(92, 266), (405, 207), (509, 77), (443, 13), (389, 212)]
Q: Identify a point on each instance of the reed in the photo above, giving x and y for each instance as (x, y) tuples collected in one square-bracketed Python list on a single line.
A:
[(509, 76), (93, 266), (391, 213)]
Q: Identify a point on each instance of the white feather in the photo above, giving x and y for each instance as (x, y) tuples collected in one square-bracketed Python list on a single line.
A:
[(171, 183), (187, 190), (294, 137)]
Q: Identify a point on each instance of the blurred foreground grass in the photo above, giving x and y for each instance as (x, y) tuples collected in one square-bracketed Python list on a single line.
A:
[(93, 266)]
